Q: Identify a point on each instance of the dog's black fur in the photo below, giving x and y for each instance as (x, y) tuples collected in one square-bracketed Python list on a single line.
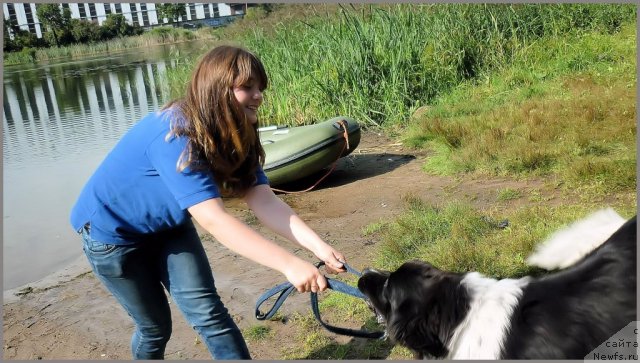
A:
[(562, 315)]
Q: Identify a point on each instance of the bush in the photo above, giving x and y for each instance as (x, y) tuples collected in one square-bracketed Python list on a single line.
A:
[(26, 39), (116, 26), (255, 14), (162, 32), (65, 37), (28, 53), (136, 30), (84, 31)]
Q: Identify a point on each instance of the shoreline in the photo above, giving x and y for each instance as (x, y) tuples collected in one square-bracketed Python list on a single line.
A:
[(102, 53), (77, 268)]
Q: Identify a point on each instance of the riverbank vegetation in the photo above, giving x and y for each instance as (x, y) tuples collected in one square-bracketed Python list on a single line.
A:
[(539, 94), (491, 90), (157, 36), (380, 63), (67, 37)]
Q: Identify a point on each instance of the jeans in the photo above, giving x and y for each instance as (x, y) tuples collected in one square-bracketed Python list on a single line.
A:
[(137, 276)]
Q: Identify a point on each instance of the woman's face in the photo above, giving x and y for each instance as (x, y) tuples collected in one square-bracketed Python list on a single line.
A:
[(250, 98)]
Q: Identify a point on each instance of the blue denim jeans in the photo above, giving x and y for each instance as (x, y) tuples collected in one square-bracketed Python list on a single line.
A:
[(137, 276)]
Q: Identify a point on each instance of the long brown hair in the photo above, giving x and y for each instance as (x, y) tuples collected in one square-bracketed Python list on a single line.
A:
[(221, 138)]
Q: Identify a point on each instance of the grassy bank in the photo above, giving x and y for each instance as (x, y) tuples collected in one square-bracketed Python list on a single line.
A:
[(543, 93), (380, 63), (563, 107), (157, 36)]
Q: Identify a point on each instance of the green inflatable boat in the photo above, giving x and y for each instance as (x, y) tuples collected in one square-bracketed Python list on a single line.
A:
[(292, 153)]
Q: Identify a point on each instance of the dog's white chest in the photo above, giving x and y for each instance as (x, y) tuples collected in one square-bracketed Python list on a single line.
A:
[(482, 333)]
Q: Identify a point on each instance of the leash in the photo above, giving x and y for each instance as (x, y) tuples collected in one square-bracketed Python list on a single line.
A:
[(285, 289)]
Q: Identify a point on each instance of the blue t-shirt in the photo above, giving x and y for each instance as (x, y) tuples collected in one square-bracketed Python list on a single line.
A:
[(137, 189)]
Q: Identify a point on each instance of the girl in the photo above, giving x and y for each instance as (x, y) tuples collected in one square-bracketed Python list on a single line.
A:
[(135, 212)]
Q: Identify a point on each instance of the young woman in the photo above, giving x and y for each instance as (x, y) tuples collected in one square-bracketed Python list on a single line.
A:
[(135, 212)]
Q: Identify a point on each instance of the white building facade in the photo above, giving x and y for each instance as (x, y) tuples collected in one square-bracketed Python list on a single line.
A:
[(142, 14)]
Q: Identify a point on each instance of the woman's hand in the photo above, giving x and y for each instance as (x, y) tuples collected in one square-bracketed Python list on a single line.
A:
[(305, 277), (333, 260)]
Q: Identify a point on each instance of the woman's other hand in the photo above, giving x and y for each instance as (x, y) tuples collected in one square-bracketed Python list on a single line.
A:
[(333, 259), (305, 277)]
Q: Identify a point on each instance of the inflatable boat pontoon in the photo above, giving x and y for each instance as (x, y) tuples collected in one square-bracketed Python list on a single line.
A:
[(295, 152)]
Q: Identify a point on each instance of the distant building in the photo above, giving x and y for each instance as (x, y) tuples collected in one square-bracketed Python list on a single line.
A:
[(142, 14)]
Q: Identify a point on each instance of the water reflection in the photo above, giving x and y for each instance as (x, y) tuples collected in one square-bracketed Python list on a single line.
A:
[(59, 121)]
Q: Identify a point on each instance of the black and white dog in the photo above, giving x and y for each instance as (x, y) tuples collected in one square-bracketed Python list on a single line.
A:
[(562, 315)]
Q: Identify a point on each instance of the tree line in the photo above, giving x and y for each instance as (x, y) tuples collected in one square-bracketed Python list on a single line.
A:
[(59, 29)]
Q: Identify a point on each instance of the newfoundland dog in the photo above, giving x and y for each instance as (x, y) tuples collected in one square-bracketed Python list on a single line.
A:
[(564, 314)]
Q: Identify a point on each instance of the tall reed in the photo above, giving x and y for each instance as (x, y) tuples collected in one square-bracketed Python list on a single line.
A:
[(379, 63)]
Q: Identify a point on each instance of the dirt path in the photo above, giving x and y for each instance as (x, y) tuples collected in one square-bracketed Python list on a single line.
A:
[(72, 317)]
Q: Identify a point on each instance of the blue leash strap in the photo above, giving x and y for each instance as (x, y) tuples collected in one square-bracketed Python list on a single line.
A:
[(350, 290), (285, 289)]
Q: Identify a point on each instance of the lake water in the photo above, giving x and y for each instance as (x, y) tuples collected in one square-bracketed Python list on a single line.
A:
[(59, 121)]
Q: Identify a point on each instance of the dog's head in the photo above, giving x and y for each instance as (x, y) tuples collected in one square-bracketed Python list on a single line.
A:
[(419, 303)]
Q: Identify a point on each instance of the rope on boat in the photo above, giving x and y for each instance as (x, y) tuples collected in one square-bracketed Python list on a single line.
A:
[(344, 125)]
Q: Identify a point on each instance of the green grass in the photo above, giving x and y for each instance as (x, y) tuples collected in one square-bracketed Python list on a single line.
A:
[(458, 237), (508, 194), (312, 343), (538, 196), (373, 228), (578, 124), (379, 63), (257, 333)]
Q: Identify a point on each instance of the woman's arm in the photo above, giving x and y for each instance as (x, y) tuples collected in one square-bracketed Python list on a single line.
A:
[(280, 218), (240, 238)]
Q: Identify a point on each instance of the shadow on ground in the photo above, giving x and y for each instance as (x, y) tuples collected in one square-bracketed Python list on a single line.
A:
[(355, 348), (349, 169)]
